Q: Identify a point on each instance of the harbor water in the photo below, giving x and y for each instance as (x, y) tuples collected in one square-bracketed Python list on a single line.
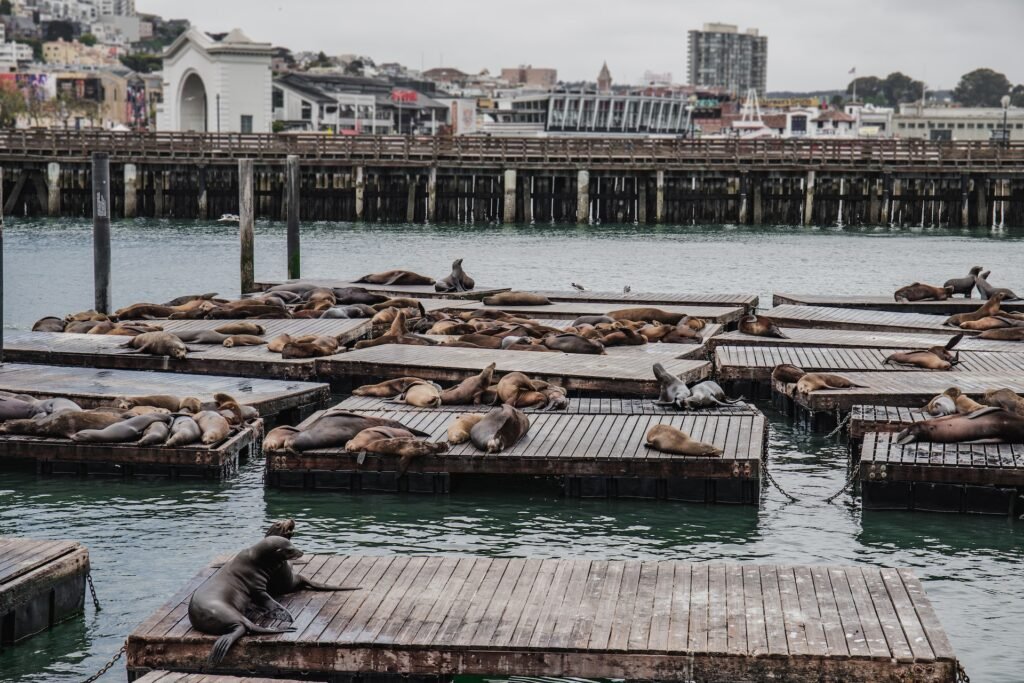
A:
[(147, 539)]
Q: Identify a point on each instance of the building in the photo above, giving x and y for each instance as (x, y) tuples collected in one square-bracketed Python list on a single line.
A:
[(62, 53), (958, 123), (657, 78), (604, 79), (618, 114), (722, 57), (530, 76), (218, 83), (12, 54), (116, 8)]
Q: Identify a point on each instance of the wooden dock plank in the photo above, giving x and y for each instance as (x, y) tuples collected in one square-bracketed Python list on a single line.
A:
[(887, 303), (797, 337), (573, 309), (419, 291), (179, 677), (578, 405), (854, 319), (747, 301)]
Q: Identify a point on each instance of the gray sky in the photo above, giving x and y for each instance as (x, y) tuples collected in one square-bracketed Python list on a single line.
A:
[(812, 44)]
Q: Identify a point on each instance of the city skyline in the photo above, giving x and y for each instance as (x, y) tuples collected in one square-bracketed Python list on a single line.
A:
[(935, 42)]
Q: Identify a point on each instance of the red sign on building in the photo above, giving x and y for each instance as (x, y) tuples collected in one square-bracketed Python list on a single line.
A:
[(404, 96)]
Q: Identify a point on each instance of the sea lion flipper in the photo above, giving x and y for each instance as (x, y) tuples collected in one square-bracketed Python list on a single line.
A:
[(983, 411), (306, 584), (954, 341), (224, 643)]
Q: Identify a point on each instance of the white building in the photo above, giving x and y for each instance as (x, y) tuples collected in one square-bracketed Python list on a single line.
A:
[(12, 53), (957, 123), (220, 84)]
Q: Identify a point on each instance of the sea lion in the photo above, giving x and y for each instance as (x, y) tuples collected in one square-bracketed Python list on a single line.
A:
[(143, 311), (668, 439), (276, 439), (350, 311), (235, 413), (396, 277), (964, 404), (200, 336), (422, 394), (468, 390), (219, 605), (940, 405), (122, 431), (348, 296), (816, 381), (103, 327), (61, 424), (458, 431), (360, 441), (922, 292), (284, 580), (82, 326), (387, 389), (707, 394), (683, 333), (157, 344), (1005, 399), (312, 348), (83, 316), (402, 303), (989, 323), (501, 428), (458, 281), (131, 329), (622, 337), (155, 434), (787, 373), (646, 314), (241, 327), (214, 426), (171, 403), (406, 448), (48, 324), (989, 308), (591, 320), (184, 431), (986, 290), (573, 343), (516, 389), (243, 340), (1004, 334), (516, 299), (388, 315), (962, 285), (17, 409), (55, 405), (760, 326), (180, 300), (141, 410), (988, 425), (335, 428), (935, 358), (277, 344), (673, 390)]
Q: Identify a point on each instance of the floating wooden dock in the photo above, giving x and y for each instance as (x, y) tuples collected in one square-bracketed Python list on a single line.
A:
[(747, 301), (177, 677), (55, 456), (887, 303), (288, 402), (951, 477), (864, 339), (440, 616), (577, 406), (595, 456), (414, 291), (868, 418), (573, 309), (861, 320), (624, 375), (42, 583)]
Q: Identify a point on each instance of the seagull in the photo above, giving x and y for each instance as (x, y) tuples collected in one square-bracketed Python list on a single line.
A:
[(627, 289), (578, 288)]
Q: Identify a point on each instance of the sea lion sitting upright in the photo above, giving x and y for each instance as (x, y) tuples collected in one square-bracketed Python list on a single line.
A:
[(668, 439), (760, 326), (468, 390), (458, 281), (707, 394), (921, 292), (988, 425), (673, 389), (962, 285), (987, 309), (986, 290), (1005, 399), (396, 277), (158, 344), (219, 605), (48, 324), (458, 431), (501, 428), (516, 299)]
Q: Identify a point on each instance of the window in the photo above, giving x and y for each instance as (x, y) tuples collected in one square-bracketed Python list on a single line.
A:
[(970, 125), (1020, 125), (307, 110), (246, 123), (959, 125), (902, 125), (277, 98)]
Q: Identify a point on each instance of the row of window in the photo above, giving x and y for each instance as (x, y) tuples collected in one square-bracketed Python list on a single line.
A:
[(933, 124)]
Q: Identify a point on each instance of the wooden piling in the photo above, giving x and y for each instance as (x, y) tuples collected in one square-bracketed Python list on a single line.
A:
[(583, 197), (245, 224), (981, 202), (809, 199), (1, 266), (874, 205), (410, 202), (744, 191), (360, 190), (886, 199), (203, 200), (131, 177), (101, 230), (432, 195), (53, 189), (659, 198), (509, 209), (292, 164), (158, 194), (641, 200)]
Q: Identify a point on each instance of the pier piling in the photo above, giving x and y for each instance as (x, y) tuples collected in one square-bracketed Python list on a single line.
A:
[(294, 265), (809, 199), (53, 189), (432, 195), (131, 176), (360, 190), (583, 197), (245, 223), (101, 230), (1, 266), (659, 200), (509, 210)]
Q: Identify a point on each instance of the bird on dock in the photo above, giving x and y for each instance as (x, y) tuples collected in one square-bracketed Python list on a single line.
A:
[(578, 288), (627, 289)]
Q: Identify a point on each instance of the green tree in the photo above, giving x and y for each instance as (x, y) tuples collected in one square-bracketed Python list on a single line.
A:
[(142, 63), (6, 8), (981, 88), (87, 39), (1017, 96), (898, 87), (869, 89), (12, 105)]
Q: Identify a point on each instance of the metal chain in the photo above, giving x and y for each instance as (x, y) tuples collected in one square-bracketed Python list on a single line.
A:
[(771, 480), (92, 590), (107, 666), (849, 480), (961, 674), (841, 424)]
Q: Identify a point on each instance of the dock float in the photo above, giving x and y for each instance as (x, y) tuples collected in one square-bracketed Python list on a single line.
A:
[(287, 402), (940, 477), (42, 583), (864, 339), (577, 406), (573, 309), (854, 319), (415, 291), (177, 677), (887, 303), (747, 301), (593, 456), (428, 618), (624, 375)]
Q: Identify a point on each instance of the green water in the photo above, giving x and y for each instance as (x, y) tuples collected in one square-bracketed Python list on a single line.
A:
[(147, 539)]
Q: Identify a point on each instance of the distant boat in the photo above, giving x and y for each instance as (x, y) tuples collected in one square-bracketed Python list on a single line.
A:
[(228, 218)]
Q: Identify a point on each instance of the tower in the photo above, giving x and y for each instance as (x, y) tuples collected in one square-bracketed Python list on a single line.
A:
[(604, 79)]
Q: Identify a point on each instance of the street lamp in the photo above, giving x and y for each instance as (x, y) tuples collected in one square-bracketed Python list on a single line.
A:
[(1005, 101)]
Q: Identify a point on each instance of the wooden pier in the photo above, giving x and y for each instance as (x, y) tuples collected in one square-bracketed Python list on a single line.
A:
[(798, 337), (42, 583), (861, 320), (288, 402), (577, 406), (951, 477), (574, 309), (747, 301), (659, 620), (414, 291), (868, 418), (623, 375), (886, 303)]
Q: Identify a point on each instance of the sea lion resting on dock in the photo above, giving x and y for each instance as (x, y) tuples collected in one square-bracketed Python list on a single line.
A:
[(396, 277), (122, 431), (940, 405), (787, 373), (988, 425), (276, 438), (157, 344), (707, 394), (1004, 334), (646, 314), (422, 394), (962, 285), (387, 389), (166, 401), (501, 428), (184, 431), (516, 299), (760, 326), (468, 390), (457, 281), (334, 429), (458, 431), (394, 441), (964, 404), (922, 292), (934, 358), (573, 343), (799, 381), (62, 424), (49, 324), (1005, 399), (668, 439), (988, 309)]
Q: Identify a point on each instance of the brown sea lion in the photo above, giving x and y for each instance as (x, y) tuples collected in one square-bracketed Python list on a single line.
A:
[(964, 404), (683, 333), (277, 437), (82, 326), (623, 337), (180, 300), (457, 281), (922, 292), (646, 314), (121, 431), (591, 320), (214, 426), (277, 344), (144, 410), (940, 405), (62, 424), (480, 341), (155, 434), (391, 313), (312, 348), (451, 327), (468, 390), (102, 327), (86, 316), (988, 425), (241, 327), (421, 394), (516, 389), (48, 324), (335, 428), (673, 390), (348, 296), (989, 323), (364, 438), (655, 332), (986, 290), (668, 439), (500, 429), (200, 336), (458, 431), (396, 277), (190, 404), (934, 358), (132, 329), (166, 401), (407, 450), (400, 302), (1005, 399), (143, 311), (989, 308), (816, 381), (573, 343), (516, 299), (760, 326), (157, 344), (388, 389), (787, 373), (184, 431), (243, 340), (1005, 334), (233, 411), (962, 285)]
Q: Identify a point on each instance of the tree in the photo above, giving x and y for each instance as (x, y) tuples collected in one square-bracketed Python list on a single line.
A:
[(87, 39), (60, 30), (142, 63), (981, 88), (12, 105), (898, 87), (1017, 96), (321, 60), (869, 89), (6, 8)]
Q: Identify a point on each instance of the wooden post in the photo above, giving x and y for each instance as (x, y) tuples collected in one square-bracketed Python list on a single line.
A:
[(53, 189), (360, 189), (410, 204), (158, 194), (894, 211), (809, 199), (246, 218), (641, 199), (981, 202), (292, 165), (659, 197), (101, 230), (131, 177), (509, 210), (528, 200), (965, 212), (886, 199), (744, 190), (203, 200), (583, 197), (432, 195), (758, 209), (1, 266), (873, 204)]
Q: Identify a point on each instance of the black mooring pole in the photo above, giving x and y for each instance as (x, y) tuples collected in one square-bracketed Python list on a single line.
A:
[(1, 266), (292, 180), (101, 230)]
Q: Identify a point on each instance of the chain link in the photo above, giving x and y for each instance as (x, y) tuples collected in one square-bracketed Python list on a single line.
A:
[(106, 667), (961, 674), (92, 591), (771, 480), (841, 425), (849, 480)]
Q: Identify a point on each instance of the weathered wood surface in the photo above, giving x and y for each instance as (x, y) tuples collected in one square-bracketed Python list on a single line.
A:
[(853, 319), (345, 330), (611, 373), (178, 677), (868, 418), (734, 363), (577, 406), (92, 388), (747, 301), (41, 584), (886, 303), (64, 456), (415, 291), (650, 620), (911, 389), (573, 309), (864, 339)]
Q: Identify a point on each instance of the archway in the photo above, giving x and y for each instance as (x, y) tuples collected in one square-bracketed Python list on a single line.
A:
[(192, 106)]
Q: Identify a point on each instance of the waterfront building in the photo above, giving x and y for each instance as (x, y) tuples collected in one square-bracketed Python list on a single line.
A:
[(621, 113), (216, 84), (958, 123), (721, 57), (12, 54), (530, 76), (63, 53)]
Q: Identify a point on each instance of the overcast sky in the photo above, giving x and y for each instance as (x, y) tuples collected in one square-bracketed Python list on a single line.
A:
[(812, 44)]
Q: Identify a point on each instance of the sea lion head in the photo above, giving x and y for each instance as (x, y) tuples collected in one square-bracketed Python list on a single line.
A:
[(456, 263), (952, 392), (975, 270), (124, 403), (285, 529), (178, 352), (274, 550)]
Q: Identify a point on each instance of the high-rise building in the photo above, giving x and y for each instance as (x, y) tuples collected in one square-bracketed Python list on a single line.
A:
[(721, 57)]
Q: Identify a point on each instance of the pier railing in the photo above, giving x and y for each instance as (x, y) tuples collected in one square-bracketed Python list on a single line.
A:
[(481, 151)]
